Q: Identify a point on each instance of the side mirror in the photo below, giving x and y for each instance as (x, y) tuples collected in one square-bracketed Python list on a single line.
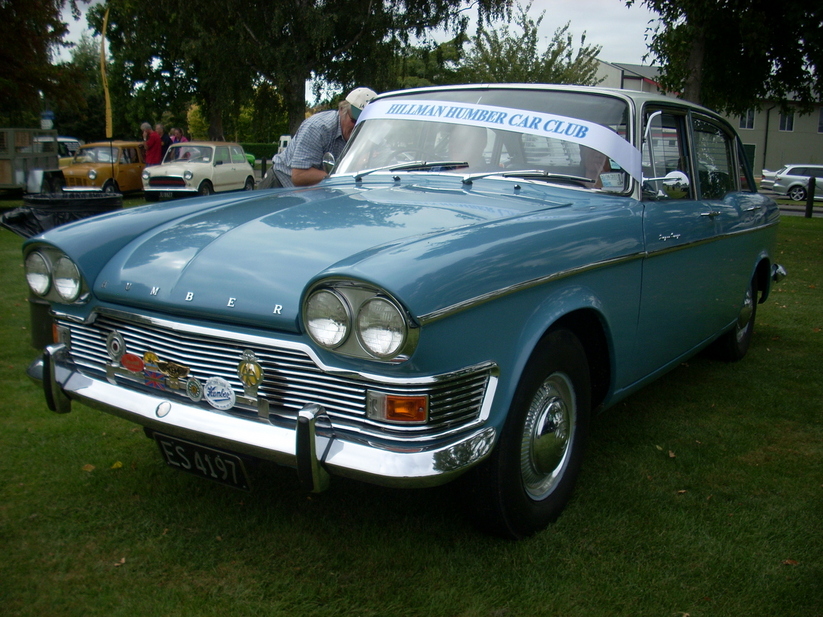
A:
[(675, 184), (328, 162)]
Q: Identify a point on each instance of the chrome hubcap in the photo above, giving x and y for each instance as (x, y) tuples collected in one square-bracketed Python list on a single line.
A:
[(745, 315), (547, 436)]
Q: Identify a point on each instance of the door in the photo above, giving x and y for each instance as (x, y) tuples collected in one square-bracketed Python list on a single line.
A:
[(687, 291), (222, 170)]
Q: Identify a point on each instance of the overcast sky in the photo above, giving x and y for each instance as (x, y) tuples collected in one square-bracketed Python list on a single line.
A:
[(618, 29)]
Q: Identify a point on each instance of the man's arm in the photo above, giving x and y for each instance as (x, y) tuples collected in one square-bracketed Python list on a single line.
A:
[(307, 177)]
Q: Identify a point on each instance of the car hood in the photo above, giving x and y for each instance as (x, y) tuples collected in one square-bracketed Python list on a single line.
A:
[(249, 260), (177, 169), (82, 169)]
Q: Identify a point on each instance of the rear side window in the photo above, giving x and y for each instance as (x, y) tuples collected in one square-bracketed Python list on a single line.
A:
[(237, 155)]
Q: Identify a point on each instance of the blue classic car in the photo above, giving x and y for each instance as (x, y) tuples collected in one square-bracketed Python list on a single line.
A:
[(487, 267)]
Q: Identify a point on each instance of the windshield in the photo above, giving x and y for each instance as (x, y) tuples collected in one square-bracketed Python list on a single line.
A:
[(189, 153), (97, 154), (572, 136)]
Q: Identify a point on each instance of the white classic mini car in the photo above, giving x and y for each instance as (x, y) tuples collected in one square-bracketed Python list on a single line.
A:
[(198, 168), (486, 268)]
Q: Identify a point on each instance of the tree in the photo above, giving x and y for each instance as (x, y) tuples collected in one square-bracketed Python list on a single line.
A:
[(31, 30), (83, 117), (501, 56), (732, 55), (168, 56), (429, 64), (343, 43)]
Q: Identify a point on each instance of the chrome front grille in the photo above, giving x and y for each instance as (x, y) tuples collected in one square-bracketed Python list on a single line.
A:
[(292, 378)]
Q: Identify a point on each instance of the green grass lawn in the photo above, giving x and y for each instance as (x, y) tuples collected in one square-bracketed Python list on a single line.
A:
[(700, 495)]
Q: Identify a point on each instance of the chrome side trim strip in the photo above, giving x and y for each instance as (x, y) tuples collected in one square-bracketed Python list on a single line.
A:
[(505, 291), (499, 293)]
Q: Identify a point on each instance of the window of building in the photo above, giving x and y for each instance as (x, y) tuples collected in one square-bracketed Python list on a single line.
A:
[(787, 121), (820, 121), (747, 120)]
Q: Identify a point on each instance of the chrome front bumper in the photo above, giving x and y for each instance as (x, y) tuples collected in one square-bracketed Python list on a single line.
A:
[(314, 455)]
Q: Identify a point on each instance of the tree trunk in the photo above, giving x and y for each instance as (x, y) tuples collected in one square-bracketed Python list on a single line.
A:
[(215, 123), (692, 91), (294, 94)]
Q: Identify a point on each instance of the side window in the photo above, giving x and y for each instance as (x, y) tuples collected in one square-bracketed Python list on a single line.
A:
[(237, 155), (664, 151), (715, 160), (221, 155)]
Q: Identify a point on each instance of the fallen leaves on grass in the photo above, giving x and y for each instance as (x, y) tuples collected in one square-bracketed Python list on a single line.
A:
[(122, 561), (89, 467)]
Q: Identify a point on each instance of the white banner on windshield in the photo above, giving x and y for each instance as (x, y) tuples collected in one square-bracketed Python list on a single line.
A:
[(589, 134)]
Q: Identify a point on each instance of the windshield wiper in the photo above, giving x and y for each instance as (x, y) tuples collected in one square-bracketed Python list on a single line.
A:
[(529, 174), (413, 166)]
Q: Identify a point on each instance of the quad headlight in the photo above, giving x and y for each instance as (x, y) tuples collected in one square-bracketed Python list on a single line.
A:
[(381, 327), (328, 318), (66, 278), (53, 276), (359, 320)]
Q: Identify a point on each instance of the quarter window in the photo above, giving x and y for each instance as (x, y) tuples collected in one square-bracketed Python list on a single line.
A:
[(237, 155), (715, 160)]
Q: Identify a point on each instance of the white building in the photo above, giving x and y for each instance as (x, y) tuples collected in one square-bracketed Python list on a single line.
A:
[(771, 138)]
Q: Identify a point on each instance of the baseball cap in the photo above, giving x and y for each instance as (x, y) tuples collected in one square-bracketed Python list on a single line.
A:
[(359, 98)]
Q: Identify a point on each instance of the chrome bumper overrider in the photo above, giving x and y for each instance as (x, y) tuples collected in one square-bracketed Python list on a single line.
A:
[(314, 455)]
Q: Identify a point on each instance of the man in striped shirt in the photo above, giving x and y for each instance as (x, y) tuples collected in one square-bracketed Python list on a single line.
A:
[(301, 163)]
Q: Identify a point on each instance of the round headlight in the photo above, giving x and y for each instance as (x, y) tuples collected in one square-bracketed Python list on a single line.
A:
[(327, 318), (145, 174), (92, 174), (38, 274), (66, 279), (381, 327), (187, 175)]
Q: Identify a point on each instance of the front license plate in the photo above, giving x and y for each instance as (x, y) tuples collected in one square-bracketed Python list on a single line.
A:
[(166, 195), (203, 461)]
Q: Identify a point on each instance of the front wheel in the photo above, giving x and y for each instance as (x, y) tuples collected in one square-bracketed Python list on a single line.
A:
[(528, 479), (205, 188), (249, 186), (797, 193), (110, 187)]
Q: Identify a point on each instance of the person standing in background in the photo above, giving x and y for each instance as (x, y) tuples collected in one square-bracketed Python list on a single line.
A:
[(165, 140), (153, 145)]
